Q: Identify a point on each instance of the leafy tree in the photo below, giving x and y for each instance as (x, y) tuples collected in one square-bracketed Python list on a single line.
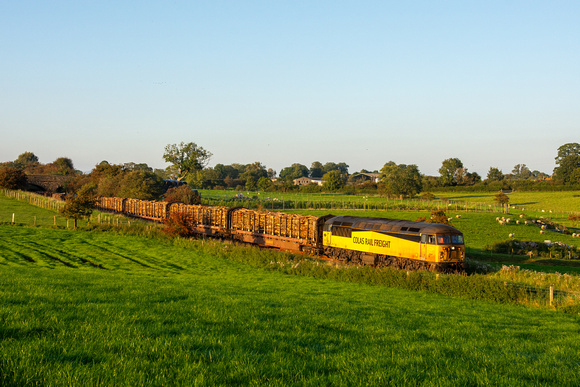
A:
[(265, 184), (495, 174), (81, 205), (251, 183), (568, 159), (255, 171), (185, 158), (575, 176), (502, 198), (565, 171), (341, 167), (141, 185), (271, 173), (294, 172), (448, 170), (12, 178), (64, 166), (401, 179), (25, 160), (521, 171), (570, 149), (316, 170), (137, 167), (196, 179), (332, 180)]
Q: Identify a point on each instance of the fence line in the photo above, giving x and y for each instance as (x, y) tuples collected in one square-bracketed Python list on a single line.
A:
[(37, 200)]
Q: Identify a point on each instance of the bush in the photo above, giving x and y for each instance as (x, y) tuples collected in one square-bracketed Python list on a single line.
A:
[(12, 178), (182, 194), (179, 224)]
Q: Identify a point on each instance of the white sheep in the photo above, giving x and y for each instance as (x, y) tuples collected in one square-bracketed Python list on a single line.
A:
[(517, 222), (542, 232), (512, 235)]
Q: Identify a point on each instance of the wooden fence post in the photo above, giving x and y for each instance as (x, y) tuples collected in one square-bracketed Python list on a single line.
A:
[(551, 294)]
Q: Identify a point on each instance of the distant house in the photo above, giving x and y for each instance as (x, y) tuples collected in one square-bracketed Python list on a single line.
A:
[(362, 177), (306, 181)]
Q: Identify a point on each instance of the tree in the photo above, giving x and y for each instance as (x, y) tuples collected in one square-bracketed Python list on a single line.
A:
[(25, 159), (294, 172), (332, 180), (316, 170), (448, 169), (141, 185), (503, 200), (495, 174), (182, 194), (255, 171), (570, 149), (521, 171), (64, 166), (80, 205), (568, 159), (265, 184), (185, 158), (341, 167), (565, 171), (401, 179), (12, 178), (251, 183)]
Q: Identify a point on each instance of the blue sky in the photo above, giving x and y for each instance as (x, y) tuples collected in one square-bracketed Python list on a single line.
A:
[(493, 83)]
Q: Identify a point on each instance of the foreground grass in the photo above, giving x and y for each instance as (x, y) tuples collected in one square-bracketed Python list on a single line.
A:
[(131, 310)]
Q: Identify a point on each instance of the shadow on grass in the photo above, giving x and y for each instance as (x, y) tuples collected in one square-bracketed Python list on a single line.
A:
[(494, 262)]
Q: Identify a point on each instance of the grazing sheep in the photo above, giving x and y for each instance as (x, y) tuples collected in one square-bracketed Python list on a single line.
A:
[(458, 216), (512, 235), (497, 218), (501, 222), (543, 227), (517, 222), (542, 231), (527, 222), (521, 215)]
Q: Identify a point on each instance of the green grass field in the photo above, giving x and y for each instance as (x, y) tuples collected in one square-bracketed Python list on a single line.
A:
[(102, 307), (556, 206), (90, 308)]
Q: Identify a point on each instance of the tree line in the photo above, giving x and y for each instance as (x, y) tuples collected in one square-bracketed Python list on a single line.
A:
[(189, 163)]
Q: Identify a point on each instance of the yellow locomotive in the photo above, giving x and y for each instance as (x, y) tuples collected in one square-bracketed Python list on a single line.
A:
[(392, 242)]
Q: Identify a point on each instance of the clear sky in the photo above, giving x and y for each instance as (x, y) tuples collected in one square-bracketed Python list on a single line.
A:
[(493, 83)]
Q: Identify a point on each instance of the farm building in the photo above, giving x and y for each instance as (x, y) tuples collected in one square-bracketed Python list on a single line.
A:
[(306, 181)]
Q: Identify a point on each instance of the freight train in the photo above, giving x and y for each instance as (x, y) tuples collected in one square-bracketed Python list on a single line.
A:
[(378, 242)]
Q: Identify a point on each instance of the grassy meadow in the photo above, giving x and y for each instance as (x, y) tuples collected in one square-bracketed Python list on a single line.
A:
[(554, 205), (95, 306)]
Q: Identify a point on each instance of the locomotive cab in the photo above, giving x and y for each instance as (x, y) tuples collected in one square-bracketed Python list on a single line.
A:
[(443, 247)]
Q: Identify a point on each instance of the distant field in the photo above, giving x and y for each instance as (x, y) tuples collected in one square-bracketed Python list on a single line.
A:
[(568, 201), (553, 205), (98, 308)]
